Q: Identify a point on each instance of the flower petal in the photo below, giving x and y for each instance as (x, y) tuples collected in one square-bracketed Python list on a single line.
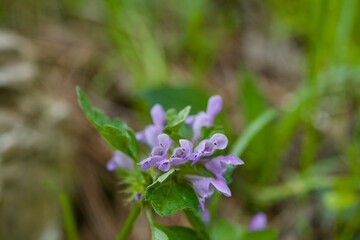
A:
[(151, 134), (140, 136), (202, 119), (138, 196), (187, 145), (190, 119), (158, 115), (214, 105), (258, 222), (201, 185), (221, 186), (200, 147), (215, 167), (219, 140), (182, 154), (204, 148), (205, 215), (178, 161), (229, 159), (164, 165), (145, 164), (164, 141), (179, 156), (120, 160), (158, 153), (218, 165)]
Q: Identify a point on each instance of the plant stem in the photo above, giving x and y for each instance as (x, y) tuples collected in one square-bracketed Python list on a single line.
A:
[(197, 223), (69, 217), (129, 222)]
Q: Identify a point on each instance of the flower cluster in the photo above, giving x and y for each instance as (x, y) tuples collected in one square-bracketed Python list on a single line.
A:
[(165, 153), (159, 156)]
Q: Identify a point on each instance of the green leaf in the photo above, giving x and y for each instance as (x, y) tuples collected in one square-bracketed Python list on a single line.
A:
[(115, 131), (173, 233), (207, 132), (169, 196), (175, 120), (163, 177)]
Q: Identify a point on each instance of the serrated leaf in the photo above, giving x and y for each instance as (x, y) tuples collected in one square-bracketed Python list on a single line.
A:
[(163, 177), (115, 131), (173, 233), (169, 196), (207, 132), (174, 120)]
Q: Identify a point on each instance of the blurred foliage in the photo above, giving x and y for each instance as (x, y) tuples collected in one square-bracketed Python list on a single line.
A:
[(303, 150)]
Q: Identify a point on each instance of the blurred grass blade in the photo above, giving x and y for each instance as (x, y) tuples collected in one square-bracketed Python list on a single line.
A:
[(129, 27), (253, 102), (68, 213), (69, 218), (250, 132), (292, 188), (345, 25)]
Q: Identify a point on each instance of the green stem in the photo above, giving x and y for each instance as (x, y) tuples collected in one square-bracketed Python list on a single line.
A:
[(149, 216), (197, 223), (129, 222), (69, 217)]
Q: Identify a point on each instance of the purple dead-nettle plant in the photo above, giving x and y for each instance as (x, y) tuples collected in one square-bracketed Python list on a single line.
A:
[(176, 163), (201, 154)]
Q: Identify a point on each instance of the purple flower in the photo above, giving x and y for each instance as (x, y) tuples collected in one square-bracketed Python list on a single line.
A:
[(158, 154), (164, 165), (204, 187), (258, 221), (138, 196), (181, 154), (150, 133), (205, 119), (208, 146), (120, 160), (145, 164), (218, 165)]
